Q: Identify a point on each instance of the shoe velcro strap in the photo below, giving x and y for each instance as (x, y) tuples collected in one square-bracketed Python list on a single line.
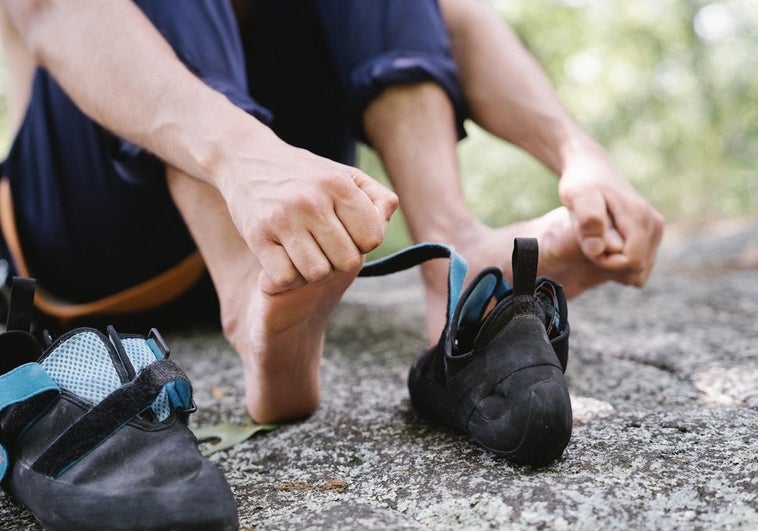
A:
[(25, 384), (417, 254), (115, 410)]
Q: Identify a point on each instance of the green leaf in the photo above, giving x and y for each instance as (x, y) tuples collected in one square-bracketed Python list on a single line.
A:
[(225, 435)]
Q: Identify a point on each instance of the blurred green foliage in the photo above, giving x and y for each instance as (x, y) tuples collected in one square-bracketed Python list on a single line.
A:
[(670, 87)]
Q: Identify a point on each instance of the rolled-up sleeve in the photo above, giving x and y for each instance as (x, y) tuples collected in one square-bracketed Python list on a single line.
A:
[(379, 43)]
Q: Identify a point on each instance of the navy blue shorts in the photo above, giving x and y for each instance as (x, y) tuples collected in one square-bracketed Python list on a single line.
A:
[(93, 212)]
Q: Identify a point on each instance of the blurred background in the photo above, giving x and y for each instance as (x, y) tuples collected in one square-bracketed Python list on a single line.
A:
[(670, 87)]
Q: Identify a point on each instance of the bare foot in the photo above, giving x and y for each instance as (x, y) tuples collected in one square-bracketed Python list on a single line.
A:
[(561, 259), (280, 339)]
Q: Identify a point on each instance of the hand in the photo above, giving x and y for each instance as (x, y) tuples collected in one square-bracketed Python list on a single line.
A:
[(617, 229), (304, 216)]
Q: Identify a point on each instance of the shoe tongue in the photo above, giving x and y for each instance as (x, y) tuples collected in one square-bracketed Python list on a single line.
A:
[(140, 355), (85, 364), (488, 284)]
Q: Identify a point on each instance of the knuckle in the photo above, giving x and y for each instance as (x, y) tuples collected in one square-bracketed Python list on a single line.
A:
[(636, 275), (283, 277), (311, 206), (305, 201), (393, 201), (277, 218), (342, 188), (350, 263), (568, 193), (370, 241), (257, 239), (317, 272), (333, 180)]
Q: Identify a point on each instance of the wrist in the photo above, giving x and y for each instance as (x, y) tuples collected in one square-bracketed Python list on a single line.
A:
[(231, 142), (576, 145)]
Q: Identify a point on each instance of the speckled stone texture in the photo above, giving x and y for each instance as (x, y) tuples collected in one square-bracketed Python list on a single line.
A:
[(665, 388)]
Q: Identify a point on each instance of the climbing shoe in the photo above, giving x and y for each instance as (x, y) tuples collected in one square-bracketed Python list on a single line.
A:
[(94, 432), (497, 371)]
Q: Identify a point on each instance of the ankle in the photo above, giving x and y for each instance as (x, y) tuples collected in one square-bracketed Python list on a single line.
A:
[(456, 230)]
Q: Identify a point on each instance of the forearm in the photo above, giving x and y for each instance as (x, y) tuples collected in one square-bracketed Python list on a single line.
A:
[(120, 71), (506, 90)]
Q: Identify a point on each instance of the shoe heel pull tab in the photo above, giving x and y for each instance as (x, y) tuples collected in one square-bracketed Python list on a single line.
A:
[(525, 259), (21, 304)]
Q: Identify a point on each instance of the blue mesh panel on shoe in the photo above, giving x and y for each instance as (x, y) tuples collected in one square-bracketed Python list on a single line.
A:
[(141, 356), (82, 365)]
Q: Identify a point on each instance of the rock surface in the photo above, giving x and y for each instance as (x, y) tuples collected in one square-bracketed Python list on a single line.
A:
[(664, 382)]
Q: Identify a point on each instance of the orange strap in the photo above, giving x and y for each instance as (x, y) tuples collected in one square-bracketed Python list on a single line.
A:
[(144, 296)]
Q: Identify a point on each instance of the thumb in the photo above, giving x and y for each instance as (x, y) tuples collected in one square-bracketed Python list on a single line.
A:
[(590, 215)]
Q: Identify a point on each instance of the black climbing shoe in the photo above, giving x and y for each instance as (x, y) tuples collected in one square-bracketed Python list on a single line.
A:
[(94, 426), (498, 374)]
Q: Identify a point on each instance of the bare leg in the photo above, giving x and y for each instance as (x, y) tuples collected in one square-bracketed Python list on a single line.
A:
[(508, 94), (606, 231), (280, 338), (412, 129)]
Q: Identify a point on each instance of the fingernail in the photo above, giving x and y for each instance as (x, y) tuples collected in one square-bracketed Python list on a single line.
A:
[(593, 246), (616, 242)]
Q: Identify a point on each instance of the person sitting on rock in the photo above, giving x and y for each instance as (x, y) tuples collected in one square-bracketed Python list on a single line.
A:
[(147, 131)]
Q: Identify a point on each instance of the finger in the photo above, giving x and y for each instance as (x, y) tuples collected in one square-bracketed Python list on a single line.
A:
[(307, 257), (362, 219), (279, 273), (614, 242), (385, 201), (339, 248), (642, 228), (270, 287), (591, 218), (618, 267)]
